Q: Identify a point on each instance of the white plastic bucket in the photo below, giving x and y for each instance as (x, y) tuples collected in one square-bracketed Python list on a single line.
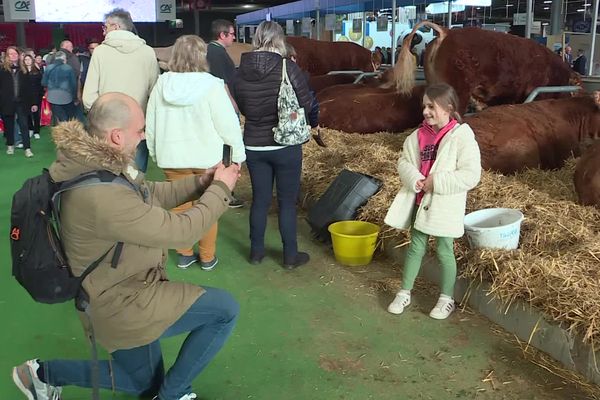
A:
[(494, 228)]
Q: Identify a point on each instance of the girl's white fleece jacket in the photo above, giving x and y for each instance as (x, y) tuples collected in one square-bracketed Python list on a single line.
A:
[(457, 169), (188, 119)]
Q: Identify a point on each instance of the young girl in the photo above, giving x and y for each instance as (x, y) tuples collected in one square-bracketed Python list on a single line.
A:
[(440, 162)]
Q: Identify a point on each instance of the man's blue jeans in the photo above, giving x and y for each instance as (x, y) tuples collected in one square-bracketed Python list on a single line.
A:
[(139, 371)]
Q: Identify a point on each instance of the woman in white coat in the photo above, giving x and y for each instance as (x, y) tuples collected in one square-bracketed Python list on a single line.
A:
[(440, 162), (189, 118)]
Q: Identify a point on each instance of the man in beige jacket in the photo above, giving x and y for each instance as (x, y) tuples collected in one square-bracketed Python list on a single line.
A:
[(122, 63), (134, 304)]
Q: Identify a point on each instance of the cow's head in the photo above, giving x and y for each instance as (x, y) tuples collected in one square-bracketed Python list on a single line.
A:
[(594, 121)]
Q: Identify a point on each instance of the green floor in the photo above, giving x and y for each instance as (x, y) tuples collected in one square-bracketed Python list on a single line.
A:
[(320, 332)]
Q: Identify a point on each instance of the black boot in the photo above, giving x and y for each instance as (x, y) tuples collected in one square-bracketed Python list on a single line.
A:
[(299, 259)]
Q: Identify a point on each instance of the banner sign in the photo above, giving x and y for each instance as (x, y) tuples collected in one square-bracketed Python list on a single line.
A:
[(289, 26), (165, 10), (19, 10), (330, 22), (306, 25)]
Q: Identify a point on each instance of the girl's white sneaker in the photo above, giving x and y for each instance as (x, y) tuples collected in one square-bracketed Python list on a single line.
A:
[(443, 308), (401, 301)]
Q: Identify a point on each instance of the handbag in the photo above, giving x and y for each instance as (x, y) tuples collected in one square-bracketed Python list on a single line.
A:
[(45, 112), (292, 128)]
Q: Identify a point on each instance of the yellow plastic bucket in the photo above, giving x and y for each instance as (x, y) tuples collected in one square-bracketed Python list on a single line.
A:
[(354, 242)]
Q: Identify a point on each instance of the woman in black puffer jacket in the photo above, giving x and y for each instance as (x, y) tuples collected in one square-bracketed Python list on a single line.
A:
[(255, 90)]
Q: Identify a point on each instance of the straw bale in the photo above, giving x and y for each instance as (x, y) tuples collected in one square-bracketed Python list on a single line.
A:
[(555, 269)]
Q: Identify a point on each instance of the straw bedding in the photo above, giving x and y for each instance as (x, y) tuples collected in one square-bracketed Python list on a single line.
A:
[(556, 268)]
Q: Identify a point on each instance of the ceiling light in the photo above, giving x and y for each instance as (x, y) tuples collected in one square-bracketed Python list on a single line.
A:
[(581, 10), (247, 6), (510, 5), (546, 8), (479, 8), (547, 1), (545, 23)]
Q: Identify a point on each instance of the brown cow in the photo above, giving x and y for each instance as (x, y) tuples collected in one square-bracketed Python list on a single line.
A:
[(542, 134), (363, 109), (587, 177), (320, 82), (319, 57), (235, 51), (485, 68)]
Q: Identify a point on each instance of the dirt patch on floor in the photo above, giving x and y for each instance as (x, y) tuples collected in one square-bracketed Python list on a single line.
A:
[(343, 366)]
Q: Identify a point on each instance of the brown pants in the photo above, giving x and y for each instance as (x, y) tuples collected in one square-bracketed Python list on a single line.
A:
[(207, 244)]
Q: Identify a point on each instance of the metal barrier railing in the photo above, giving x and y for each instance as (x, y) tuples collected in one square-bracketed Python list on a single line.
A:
[(348, 72), (550, 89), (364, 75)]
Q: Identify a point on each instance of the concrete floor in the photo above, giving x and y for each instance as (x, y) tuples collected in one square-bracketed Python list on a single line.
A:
[(320, 332)]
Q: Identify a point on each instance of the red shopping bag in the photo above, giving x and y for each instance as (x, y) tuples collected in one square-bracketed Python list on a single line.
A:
[(1, 126), (46, 114)]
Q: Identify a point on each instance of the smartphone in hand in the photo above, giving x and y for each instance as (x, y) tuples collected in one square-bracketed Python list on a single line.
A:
[(226, 155)]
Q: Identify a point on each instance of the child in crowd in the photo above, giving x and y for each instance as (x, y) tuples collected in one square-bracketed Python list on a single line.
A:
[(439, 163)]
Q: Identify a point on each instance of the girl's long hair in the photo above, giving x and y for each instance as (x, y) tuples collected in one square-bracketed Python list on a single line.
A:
[(445, 96), (7, 64), (34, 68)]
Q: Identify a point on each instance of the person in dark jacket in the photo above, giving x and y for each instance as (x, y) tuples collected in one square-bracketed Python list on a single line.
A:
[(34, 75), (16, 99), (61, 82), (580, 63), (222, 66), (256, 89)]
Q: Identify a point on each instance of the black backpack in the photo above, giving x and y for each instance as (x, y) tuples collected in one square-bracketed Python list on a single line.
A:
[(38, 259)]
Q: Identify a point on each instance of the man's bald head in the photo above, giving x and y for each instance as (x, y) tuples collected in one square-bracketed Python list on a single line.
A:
[(67, 45), (119, 119), (110, 111)]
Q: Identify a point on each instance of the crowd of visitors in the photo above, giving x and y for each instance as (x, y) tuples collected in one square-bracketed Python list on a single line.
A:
[(182, 119)]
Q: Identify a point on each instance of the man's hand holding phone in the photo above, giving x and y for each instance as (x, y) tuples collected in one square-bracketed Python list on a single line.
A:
[(227, 175)]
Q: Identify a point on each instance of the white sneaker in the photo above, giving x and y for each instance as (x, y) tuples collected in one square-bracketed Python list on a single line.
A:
[(28, 153), (401, 301), (30, 133), (36, 135), (20, 146), (10, 150), (189, 396), (443, 308), (26, 379)]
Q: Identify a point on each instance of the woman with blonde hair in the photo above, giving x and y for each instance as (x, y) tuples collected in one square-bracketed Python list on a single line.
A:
[(188, 120), (17, 100), (256, 91)]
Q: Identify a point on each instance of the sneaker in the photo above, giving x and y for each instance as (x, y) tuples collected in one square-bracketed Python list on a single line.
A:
[(30, 133), (208, 265), (19, 146), (28, 153), (186, 261), (443, 308), (26, 379), (401, 301), (189, 396), (235, 202), (10, 150), (36, 135), (300, 259)]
